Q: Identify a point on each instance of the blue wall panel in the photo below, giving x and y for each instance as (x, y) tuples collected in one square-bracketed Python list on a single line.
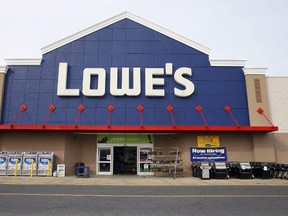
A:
[(125, 44)]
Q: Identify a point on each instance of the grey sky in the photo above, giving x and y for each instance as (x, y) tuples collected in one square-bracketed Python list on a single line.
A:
[(252, 30)]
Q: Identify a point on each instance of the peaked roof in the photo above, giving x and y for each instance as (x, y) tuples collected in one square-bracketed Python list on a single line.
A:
[(117, 18)]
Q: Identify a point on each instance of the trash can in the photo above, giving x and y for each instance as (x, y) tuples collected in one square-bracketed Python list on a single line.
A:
[(3, 163), (220, 170), (45, 163), (205, 170), (245, 171), (14, 163), (29, 163)]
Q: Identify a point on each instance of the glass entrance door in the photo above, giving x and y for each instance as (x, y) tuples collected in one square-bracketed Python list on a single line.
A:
[(144, 158), (125, 160), (104, 160)]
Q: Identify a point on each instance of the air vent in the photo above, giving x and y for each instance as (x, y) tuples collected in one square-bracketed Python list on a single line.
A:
[(257, 90)]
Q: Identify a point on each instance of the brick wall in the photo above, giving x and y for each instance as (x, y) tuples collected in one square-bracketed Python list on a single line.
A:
[(278, 98)]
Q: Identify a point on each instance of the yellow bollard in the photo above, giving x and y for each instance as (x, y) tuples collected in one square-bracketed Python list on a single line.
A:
[(32, 168), (16, 168), (49, 166)]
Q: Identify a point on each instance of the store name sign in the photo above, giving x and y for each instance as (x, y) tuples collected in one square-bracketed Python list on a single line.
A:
[(154, 81)]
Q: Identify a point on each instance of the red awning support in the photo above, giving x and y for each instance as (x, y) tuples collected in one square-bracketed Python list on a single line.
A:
[(80, 110), (140, 108), (261, 112), (228, 109), (51, 109), (170, 109), (23, 107), (110, 109), (199, 109)]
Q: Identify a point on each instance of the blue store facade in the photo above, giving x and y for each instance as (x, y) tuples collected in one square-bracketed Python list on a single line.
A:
[(128, 79)]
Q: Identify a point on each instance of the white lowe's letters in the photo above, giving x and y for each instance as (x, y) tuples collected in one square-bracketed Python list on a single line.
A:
[(125, 90), (86, 89), (154, 77), (189, 86), (151, 81), (62, 82)]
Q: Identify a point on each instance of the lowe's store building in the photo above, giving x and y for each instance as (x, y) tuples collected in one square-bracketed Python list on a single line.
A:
[(111, 95)]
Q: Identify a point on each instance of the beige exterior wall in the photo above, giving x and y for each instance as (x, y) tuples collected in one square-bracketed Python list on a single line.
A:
[(264, 150), (278, 98), (239, 146), (281, 147), (255, 118), (263, 143), (89, 151), (68, 148), (34, 142)]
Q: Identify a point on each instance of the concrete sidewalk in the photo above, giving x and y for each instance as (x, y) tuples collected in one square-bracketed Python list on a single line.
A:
[(137, 181)]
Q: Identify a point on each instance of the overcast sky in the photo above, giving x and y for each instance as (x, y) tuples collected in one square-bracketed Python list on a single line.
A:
[(252, 30)]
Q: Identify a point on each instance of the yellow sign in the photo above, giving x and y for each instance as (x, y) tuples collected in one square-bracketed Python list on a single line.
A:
[(208, 141)]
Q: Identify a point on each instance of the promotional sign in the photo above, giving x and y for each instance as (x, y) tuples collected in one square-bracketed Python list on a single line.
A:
[(208, 141), (60, 170), (3, 163), (29, 163), (208, 154), (14, 164), (45, 163)]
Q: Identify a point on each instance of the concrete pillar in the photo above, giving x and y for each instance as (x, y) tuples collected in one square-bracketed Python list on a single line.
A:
[(257, 96)]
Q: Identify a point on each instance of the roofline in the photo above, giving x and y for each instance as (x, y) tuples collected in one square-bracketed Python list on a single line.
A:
[(275, 76), (23, 61), (117, 18), (227, 63), (254, 71), (3, 69)]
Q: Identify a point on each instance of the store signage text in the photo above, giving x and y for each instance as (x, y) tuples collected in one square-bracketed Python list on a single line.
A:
[(154, 79), (208, 154)]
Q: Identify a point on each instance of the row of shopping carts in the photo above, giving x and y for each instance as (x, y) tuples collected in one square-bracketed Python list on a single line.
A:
[(241, 170), (279, 171), (26, 163)]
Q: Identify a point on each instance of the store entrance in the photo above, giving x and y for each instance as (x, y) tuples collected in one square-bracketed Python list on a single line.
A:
[(125, 160)]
